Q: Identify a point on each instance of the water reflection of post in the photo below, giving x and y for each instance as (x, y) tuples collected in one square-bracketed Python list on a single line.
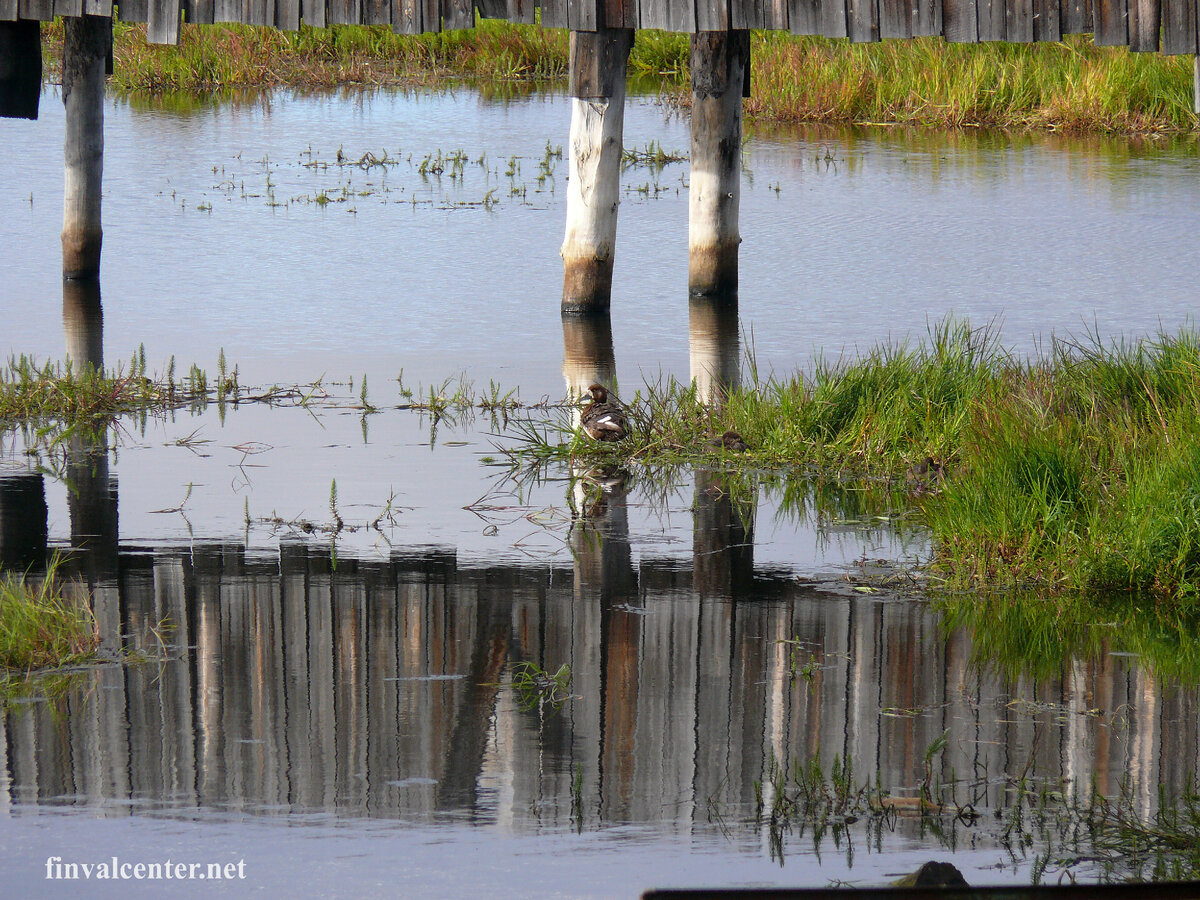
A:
[(91, 493), (605, 587), (588, 355), (714, 346), (23, 527)]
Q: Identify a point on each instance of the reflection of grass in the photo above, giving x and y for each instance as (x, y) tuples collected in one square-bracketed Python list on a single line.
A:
[(1069, 86), (40, 627), (1026, 633)]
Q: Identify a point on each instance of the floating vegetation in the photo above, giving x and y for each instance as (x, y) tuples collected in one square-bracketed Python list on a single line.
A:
[(536, 687)]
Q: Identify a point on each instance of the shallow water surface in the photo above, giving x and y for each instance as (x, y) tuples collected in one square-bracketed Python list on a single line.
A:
[(343, 708)]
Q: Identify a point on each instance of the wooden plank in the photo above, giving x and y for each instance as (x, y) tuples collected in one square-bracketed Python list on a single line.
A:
[(258, 12), (1110, 25), (522, 11), (287, 14), (776, 15), (68, 7), (584, 15), (681, 16), (41, 10), (993, 20), (554, 13), (133, 10), (862, 19), (652, 14), (202, 12), (598, 61), (1019, 21), (227, 10), (162, 23), (406, 16), (1076, 16), (431, 16), (1145, 20), (344, 12), (926, 18), (746, 14), (959, 21), (1179, 26), (458, 15), (713, 15), (312, 12), (8, 13), (377, 12), (1047, 20), (804, 16), (895, 18), (833, 18)]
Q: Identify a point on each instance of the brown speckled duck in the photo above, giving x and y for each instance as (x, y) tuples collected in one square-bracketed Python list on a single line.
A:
[(602, 419), (730, 441)]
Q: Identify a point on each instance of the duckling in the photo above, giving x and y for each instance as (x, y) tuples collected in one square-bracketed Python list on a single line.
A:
[(603, 419), (731, 441)]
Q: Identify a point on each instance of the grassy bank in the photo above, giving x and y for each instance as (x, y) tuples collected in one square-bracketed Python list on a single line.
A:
[(1079, 471), (1070, 86)]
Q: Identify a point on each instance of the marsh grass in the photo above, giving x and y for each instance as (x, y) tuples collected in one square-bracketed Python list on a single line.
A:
[(1077, 471), (1071, 86), (40, 627)]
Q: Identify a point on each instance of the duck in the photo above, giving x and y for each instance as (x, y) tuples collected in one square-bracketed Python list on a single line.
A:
[(603, 419), (731, 441)]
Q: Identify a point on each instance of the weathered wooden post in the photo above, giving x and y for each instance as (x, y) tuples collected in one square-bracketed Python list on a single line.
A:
[(597, 88), (720, 66), (85, 52)]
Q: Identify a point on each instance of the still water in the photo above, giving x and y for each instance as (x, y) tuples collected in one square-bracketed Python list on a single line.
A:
[(343, 711)]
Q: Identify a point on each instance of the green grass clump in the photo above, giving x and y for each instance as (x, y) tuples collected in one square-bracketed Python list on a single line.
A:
[(40, 627)]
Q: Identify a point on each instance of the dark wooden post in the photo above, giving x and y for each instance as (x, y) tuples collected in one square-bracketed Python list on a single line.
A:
[(20, 69), (85, 51), (597, 88), (23, 522), (720, 64)]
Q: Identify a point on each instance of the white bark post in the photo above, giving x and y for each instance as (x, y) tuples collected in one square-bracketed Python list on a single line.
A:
[(720, 63), (597, 73), (85, 50), (714, 348)]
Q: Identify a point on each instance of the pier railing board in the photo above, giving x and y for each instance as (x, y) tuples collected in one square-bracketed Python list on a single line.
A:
[(1166, 26)]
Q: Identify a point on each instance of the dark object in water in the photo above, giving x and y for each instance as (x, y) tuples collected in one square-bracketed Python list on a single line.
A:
[(603, 419), (1128, 891), (925, 476), (731, 441), (933, 874)]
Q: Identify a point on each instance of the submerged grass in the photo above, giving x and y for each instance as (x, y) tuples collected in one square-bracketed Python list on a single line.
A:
[(1077, 471), (1072, 86)]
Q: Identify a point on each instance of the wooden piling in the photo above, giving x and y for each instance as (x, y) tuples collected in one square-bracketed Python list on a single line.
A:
[(85, 50), (597, 86), (720, 61), (20, 69)]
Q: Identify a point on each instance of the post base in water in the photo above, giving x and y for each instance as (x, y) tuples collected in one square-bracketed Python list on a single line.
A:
[(587, 286), (81, 253), (713, 271)]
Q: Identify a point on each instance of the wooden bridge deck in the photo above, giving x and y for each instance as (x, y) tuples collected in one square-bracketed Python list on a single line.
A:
[(1166, 26)]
